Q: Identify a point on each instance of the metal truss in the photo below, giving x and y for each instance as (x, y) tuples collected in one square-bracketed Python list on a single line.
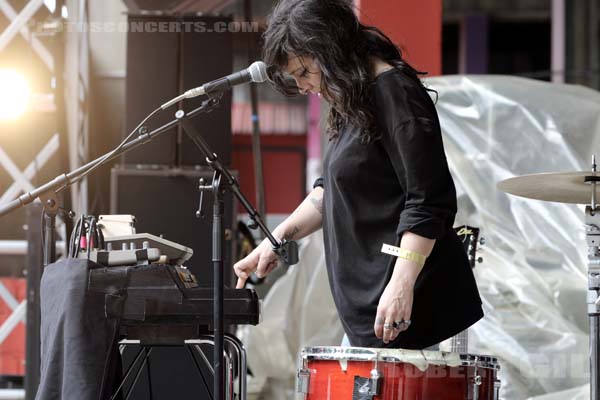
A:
[(20, 24)]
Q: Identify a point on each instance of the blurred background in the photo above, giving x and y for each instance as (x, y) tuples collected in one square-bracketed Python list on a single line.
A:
[(76, 76)]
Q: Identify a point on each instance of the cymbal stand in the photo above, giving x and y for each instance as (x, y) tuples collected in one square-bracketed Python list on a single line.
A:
[(592, 222)]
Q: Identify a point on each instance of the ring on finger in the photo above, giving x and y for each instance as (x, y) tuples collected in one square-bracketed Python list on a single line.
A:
[(398, 324), (388, 326)]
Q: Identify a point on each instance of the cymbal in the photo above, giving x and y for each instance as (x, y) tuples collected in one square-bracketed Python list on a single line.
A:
[(561, 187)]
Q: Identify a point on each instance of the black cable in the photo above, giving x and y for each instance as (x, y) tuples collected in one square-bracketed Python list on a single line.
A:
[(95, 234), (83, 235), (90, 236), (70, 245), (101, 244), (43, 223), (78, 236), (71, 251)]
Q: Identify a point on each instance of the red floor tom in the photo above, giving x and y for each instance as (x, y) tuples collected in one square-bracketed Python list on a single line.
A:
[(354, 373)]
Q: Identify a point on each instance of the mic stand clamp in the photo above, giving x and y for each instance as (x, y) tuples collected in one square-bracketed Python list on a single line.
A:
[(287, 251), (202, 188), (50, 210)]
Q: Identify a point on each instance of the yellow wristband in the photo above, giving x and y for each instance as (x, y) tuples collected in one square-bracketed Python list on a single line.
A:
[(404, 254)]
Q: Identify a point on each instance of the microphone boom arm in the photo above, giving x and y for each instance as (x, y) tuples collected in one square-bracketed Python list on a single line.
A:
[(286, 249), (65, 180)]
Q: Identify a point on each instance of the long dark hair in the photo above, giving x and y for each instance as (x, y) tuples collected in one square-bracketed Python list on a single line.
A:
[(329, 31)]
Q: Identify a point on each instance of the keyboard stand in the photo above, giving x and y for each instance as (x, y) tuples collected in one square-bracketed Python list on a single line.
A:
[(234, 358)]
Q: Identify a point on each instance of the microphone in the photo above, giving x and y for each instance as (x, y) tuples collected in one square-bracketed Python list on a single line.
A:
[(256, 72)]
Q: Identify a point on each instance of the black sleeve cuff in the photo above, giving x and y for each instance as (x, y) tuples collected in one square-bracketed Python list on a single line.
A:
[(428, 222)]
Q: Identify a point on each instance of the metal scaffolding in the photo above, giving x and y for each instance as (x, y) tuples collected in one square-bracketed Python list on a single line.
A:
[(65, 57)]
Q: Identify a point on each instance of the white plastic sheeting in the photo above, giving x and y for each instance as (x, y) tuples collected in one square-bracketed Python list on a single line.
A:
[(533, 277)]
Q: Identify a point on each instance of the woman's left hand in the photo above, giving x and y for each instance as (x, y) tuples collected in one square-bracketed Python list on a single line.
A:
[(394, 309)]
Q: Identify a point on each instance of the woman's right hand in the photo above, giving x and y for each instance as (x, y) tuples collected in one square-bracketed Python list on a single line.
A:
[(262, 259), (305, 219)]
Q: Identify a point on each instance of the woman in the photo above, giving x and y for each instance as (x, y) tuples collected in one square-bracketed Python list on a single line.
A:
[(386, 181)]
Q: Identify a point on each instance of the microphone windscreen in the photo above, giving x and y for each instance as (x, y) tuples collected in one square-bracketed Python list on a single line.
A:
[(258, 71)]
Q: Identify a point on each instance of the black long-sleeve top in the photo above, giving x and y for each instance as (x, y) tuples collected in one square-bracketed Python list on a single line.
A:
[(373, 193)]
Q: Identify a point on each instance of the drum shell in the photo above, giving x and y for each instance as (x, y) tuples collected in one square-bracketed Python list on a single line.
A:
[(333, 379)]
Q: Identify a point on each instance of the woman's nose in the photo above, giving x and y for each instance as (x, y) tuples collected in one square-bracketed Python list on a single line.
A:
[(301, 88)]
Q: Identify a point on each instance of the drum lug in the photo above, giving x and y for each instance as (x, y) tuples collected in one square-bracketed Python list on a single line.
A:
[(497, 385), (303, 380), (367, 388), (476, 381), (375, 382)]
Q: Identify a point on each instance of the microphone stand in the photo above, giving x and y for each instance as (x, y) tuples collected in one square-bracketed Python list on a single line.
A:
[(222, 180), (47, 193)]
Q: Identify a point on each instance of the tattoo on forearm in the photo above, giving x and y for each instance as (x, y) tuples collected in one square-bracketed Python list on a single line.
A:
[(293, 233), (318, 203)]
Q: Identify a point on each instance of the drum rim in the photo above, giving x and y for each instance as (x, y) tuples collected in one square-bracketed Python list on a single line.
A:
[(333, 353)]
